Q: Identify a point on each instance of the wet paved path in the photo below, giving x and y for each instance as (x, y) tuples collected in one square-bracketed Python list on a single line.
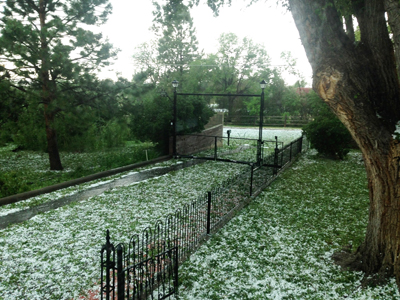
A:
[(30, 212)]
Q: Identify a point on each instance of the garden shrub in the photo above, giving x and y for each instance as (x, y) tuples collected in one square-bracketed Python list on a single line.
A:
[(11, 183), (114, 134), (30, 132), (326, 133), (328, 137)]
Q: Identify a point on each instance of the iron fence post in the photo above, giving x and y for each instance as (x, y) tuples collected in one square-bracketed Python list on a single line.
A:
[(301, 143), (261, 124), (109, 265), (229, 135), (208, 212), (174, 125), (259, 152), (120, 274), (290, 153), (251, 179), (215, 148), (276, 156), (176, 267), (262, 153), (261, 114)]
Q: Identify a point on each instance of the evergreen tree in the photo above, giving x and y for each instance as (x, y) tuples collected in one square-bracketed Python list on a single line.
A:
[(168, 58), (177, 42), (12, 102), (47, 47)]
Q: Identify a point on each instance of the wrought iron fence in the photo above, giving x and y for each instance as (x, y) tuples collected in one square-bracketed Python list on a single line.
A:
[(278, 121), (148, 266), (285, 155), (227, 149)]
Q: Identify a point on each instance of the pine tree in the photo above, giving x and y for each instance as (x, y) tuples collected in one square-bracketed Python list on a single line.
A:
[(177, 42), (46, 47)]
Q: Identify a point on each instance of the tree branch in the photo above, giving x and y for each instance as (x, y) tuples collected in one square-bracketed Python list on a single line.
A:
[(33, 5)]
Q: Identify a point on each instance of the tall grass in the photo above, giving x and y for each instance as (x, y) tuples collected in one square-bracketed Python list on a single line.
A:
[(29, 170)]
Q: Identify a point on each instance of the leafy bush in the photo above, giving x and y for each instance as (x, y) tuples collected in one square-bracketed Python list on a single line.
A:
[(151, 119), (326, 133), (79, 130), (329, 137), (11, 183), (30, 131), (91, 136)]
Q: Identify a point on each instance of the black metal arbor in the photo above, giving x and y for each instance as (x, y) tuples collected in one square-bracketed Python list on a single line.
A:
[(260, 142)]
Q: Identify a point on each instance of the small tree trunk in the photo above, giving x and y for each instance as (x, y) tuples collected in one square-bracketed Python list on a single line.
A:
[(52, 146)]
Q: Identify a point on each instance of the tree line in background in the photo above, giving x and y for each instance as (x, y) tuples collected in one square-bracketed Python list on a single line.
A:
[(51, 98)]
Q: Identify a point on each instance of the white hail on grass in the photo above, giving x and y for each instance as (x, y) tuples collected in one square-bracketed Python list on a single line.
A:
[(56, 255)]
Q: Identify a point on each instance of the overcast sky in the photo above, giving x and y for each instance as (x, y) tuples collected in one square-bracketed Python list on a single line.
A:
[(264, 23)]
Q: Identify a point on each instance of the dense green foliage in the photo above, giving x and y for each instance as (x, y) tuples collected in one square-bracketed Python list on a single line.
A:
[(238, 68), (12, 103), (177, 44), (50, 89), (95, 122), (326, 133), (166, 59)]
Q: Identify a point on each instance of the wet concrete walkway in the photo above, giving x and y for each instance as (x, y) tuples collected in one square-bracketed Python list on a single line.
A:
[(26, 214)]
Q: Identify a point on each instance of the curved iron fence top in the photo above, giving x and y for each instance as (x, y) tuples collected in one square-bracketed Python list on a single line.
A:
[(226, 95), (225, 137)]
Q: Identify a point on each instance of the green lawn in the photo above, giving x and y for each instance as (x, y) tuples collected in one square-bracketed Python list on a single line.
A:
[(24, 171), (280, 246)]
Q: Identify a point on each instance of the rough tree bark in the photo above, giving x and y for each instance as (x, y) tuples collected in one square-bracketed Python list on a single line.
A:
[(359, 81), (52, 146)]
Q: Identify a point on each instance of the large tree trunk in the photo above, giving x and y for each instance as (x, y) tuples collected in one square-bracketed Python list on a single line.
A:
[(359, 82)]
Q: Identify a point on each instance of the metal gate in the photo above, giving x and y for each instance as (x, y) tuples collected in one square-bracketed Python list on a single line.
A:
[(135, 272)]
